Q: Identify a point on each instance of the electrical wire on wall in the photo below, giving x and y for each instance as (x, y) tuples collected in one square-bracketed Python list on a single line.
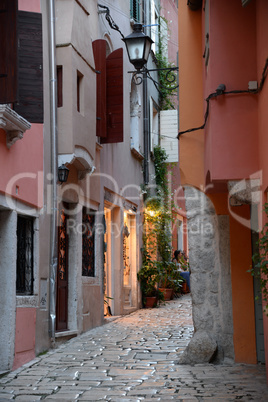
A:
[(221, 91)]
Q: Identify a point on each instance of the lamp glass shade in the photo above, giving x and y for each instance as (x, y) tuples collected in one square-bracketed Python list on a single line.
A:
[(138, 47), (63, 173)]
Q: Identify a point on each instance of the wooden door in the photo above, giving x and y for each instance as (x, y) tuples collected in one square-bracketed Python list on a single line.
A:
[(62, 274)]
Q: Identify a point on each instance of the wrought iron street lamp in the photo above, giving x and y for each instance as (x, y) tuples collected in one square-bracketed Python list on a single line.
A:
[(138, 47)]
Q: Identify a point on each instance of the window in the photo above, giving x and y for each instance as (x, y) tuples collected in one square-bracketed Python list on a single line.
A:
[(110, 93), (59, 86), (21, 55), (155, 27), (135, 10), (88, 243), (24, 282), (80, 92), (154, 124)]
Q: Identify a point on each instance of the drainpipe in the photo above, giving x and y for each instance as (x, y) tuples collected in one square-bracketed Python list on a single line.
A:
[(54, 170), (146, 131)]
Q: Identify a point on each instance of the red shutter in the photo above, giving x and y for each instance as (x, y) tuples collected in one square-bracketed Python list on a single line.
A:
[(99, 50), (30, 50), (114, 95), (8, 51)]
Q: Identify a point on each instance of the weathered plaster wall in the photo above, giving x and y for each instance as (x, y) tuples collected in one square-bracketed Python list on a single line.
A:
[(8, 252), (25, 336), (209, 257)]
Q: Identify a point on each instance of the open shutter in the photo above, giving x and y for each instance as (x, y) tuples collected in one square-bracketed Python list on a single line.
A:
[(99, 50), (30, 104), (8, 51), (114, 95)]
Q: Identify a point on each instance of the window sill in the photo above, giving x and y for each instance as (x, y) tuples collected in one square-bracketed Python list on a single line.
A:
[(27, 301), (13, 124), (137, 154)]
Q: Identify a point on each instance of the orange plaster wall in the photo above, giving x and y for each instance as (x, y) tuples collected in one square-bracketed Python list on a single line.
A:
[(191, 103), (25, 336), (231, 141), (242, 283)]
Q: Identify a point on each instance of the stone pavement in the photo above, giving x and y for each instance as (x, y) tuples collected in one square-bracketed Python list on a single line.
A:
[(133, 358)]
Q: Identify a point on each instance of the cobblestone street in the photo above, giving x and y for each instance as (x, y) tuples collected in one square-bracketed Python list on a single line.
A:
[(133, 358)]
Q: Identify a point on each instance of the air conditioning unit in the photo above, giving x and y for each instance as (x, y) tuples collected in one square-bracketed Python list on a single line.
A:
[(245, 2)]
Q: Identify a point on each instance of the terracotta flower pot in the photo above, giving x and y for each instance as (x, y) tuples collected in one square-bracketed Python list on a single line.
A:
[(167, 293), (151, 301), (184, 287)]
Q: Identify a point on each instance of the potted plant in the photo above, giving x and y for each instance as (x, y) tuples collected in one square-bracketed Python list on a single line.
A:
[(170, 279), (148, 277)]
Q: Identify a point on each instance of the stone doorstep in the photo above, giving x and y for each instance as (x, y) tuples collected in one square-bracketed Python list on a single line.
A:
[(64, 334)]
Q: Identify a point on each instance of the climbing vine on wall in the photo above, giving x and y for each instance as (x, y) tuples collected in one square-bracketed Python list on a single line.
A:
[(260, 262), (167, 95)]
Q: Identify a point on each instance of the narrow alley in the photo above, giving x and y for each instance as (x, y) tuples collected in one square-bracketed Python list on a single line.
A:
[(133, 358)]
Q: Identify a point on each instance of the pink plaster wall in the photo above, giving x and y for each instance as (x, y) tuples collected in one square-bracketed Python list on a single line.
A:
[(25, 336), (22, 172), (231, 132), (30, 5)]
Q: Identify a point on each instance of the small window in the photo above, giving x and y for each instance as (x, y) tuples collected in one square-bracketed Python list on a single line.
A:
[(88, 243), (155, 28), (80, 104), (59, 86), (24, 282), (154, 124), (135, 10)]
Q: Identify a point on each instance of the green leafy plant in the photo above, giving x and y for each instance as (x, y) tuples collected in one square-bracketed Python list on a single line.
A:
[(167, 82), (260, 261), (157, 251)]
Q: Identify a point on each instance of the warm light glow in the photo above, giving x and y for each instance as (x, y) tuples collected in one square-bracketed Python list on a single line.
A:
[(151, 213)]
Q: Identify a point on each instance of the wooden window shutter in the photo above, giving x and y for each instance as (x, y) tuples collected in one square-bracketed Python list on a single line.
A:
[(99, 50), (114, 97), (59, 86), (8, 51), (30, 50)]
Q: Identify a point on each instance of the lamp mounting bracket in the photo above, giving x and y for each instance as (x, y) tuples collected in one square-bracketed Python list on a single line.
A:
[(108, 17), (139, 75)]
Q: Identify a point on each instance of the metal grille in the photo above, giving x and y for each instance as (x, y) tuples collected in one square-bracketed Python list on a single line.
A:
[(63, 242), (24, 282), (88, 248)]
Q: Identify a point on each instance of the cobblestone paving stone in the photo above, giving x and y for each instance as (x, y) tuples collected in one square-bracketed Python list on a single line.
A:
[(133, 358)]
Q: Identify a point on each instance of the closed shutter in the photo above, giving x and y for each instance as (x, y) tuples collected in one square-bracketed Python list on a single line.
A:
[(30, 50), (8, 51), (99, 50), (114, 95)]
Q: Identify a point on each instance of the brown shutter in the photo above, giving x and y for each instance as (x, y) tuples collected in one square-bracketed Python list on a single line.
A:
[(114, 101), (99, 50), (59, 87), (8, 51), (30, 49)]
